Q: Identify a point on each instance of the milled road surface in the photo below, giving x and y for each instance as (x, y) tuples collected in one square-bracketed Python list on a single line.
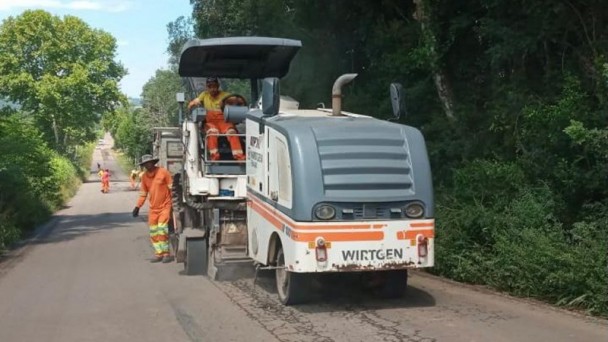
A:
[(86, 277)]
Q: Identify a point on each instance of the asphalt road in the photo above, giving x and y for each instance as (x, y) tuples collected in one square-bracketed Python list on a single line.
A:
[(85, 277)]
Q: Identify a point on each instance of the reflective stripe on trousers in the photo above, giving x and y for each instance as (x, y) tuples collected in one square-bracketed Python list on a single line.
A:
[(158, 220), (223, 128)]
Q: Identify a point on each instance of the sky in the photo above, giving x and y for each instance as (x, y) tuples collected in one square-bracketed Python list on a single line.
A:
[(139, 26)]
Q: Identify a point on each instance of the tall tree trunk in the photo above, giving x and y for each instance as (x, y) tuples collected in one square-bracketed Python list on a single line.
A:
[(55, 131), (444, 91)]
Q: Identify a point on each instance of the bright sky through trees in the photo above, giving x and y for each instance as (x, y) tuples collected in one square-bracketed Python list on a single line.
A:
[(139, 26)]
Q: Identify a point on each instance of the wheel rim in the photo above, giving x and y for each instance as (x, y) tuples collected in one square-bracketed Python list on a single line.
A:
[(282, 279)]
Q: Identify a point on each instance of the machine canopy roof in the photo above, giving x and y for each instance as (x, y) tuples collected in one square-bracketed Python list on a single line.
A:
[(238, 57)]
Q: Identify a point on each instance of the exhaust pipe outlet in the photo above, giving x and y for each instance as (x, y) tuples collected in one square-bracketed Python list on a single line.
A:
[(336, 93)]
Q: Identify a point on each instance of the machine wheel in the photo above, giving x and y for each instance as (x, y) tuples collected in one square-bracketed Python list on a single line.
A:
[(196, 262), (291, 287), (395, 284)]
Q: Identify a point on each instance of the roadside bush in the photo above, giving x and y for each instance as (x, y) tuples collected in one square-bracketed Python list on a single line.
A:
[(20, 208), (83, 158), (62, 183), (8, 231), (497, 229), (34, 179), (541, 262)]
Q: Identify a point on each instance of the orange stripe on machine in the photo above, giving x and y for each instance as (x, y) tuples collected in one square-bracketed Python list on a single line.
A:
[(339, 236), (316, 226), (422, 224), (411, 234), (283, 225), (267, 215), (313, 231)]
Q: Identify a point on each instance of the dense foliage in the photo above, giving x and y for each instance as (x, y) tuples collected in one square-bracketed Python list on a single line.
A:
[(511, 97), (61, 71), (57, 77), (34, 179), (132, 126), (131, 133)]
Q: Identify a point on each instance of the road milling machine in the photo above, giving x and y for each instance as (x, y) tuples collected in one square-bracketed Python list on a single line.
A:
[(321, 190)]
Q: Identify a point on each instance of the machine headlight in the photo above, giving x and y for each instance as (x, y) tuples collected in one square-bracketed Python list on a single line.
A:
[(325, 212), (414, 210)]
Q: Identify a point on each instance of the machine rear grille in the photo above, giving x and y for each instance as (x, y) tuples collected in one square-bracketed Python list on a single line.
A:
[(370, 212), (358, 163)]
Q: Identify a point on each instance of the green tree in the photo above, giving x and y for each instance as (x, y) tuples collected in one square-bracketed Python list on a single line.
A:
[(61, 71), (158, 99), (131, 131), (25, 167), (34, 179), (180, 31)]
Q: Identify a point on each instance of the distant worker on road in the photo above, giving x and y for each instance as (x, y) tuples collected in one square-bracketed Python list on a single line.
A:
[(133, 178), (215, 123), (156, 182), (104, 177), (105, 181), (100, 174)]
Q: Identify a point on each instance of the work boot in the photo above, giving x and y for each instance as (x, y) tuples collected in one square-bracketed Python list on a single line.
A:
[(167, 259), (156, 259)]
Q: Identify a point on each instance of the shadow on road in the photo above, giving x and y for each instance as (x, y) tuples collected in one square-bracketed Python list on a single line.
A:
[(70, 227), (65, 228), (342, 292)]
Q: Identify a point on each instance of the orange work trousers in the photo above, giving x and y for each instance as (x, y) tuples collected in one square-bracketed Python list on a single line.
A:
[(213, 127), (158, 220), (105, 186)]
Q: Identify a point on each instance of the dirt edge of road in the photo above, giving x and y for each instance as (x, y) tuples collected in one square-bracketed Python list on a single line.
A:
[(531, 301)]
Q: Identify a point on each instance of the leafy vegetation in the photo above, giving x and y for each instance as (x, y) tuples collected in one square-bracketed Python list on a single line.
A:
[(60, 71), (57, 77), (131, 127), (34, 179)]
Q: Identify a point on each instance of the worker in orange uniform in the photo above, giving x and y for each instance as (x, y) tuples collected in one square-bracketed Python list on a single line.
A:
[(156, 182), (105, 181), (215, 123), (100, 174), (133, 177)]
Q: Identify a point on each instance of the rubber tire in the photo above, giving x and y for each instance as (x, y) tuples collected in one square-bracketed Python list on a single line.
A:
[(294, 290), (395, 284), (196, 262)]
